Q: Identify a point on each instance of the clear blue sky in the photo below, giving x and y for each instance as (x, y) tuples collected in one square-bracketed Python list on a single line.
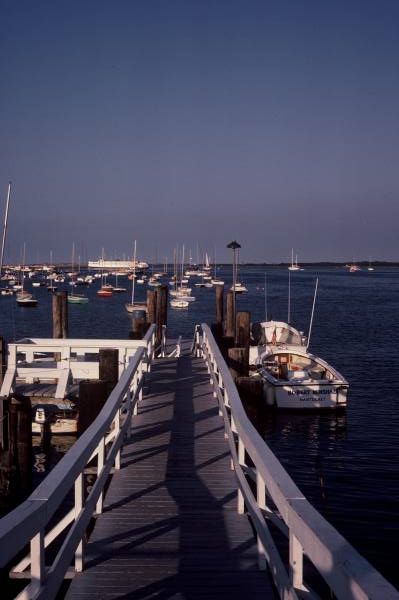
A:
[(275, 123)]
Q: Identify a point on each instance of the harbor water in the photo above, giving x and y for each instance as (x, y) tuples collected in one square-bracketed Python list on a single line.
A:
[(345, 464)]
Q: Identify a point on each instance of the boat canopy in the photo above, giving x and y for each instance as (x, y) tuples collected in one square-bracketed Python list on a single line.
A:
[(277, 332)]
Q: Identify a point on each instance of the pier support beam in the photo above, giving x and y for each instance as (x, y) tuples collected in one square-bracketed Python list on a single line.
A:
[(152, 306), (92, 397), (60, 315), (108, 367), (219, 293), (238, 362), (229, 323), (243, 329), (3, 358), (162, 311), (16, 458), (139, 328)]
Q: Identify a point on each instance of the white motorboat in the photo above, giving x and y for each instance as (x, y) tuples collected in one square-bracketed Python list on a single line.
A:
[(353, 268), (131, 308), (27, 301), (180, 291), (185, 297), (178, 303), (77, 299), (238, 288), (295, 379), (7, 291)]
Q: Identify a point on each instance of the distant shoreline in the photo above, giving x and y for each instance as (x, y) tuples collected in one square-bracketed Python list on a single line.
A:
[(364, 264)]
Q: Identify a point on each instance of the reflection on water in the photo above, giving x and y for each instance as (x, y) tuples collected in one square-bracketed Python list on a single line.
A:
[(47, 453)]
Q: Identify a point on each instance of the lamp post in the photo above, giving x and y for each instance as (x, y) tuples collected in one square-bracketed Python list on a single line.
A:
[(234, 245)]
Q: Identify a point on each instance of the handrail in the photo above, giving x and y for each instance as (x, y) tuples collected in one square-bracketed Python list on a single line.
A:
[(65, 347), (28, 523), (345, 571)]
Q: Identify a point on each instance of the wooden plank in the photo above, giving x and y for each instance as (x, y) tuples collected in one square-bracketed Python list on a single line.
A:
[(170, 526)]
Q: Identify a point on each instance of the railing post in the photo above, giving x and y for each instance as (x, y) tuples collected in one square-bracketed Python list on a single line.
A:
[(100, 466), (79, 495), (133, 390), (197, 344), (37, 568), (140, 382), (296, 562), (261, 499), (117, 428), (220, 386), (241, 461)]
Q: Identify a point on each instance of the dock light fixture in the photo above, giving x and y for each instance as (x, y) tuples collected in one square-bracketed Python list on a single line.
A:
[(234, 245)]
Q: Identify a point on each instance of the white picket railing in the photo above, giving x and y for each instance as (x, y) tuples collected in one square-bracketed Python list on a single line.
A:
[(33, 359), (277, 500), (29, 523)]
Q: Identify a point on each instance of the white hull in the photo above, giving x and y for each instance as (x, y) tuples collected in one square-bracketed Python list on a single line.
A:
[(328, 395), (295, 379), (179, 303), (131, 308)]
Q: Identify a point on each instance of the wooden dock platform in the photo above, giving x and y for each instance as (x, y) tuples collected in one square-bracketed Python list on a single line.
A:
[(170, 527)]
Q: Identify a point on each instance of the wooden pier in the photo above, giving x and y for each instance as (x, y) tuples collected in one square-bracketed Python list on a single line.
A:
[(197, 505), (170, 526)]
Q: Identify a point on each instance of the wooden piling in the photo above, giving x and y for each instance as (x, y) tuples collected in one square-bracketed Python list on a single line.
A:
[(229, 323), (250, 390), (139, 328), (92, 397), (217, 332), (60, 318), (16, 458), (65, 320), (226, 343), (219, 296), (60, 315), (108, 367), (2, 373), (238, 362), (243, 329), (152, 306), (161, 311), (3, 358)]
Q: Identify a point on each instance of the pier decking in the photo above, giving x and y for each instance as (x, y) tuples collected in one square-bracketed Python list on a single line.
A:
[(170, 526)]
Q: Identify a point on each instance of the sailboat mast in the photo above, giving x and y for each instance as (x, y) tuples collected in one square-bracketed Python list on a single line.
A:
[(311, 317), (289, 297), (134, 269), (5, 227)]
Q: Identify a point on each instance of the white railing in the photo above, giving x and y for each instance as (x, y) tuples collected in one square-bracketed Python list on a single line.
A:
[(33, 360), (277, 500), (29, 523)]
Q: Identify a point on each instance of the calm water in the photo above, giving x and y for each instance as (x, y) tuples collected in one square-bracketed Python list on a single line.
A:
[(346, 465)]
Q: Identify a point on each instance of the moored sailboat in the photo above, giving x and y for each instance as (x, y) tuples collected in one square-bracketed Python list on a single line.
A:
[(72, 297), (133, 306)]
